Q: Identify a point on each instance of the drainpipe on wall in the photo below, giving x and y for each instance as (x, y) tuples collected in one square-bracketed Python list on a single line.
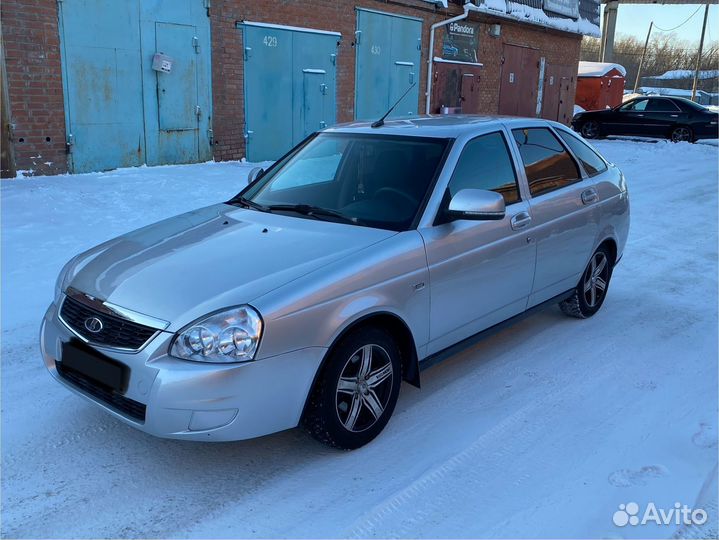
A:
[(430, 61)]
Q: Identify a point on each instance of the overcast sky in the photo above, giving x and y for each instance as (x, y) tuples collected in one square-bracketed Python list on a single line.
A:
[(634, 20)]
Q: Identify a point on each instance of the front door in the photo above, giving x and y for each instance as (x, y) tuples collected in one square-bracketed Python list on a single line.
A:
[(480, 271), (629, 119), (564, 212)]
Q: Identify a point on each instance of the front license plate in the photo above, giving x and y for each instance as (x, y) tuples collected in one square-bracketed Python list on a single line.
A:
[(95, 366)]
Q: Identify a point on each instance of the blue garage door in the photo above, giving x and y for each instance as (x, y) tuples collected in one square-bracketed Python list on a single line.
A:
[(388, 63), (119, 111), (289, 83)]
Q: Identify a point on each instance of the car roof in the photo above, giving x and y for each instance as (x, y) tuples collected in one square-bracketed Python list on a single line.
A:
[(446, 126)]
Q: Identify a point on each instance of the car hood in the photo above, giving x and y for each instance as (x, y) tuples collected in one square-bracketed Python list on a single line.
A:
[(219, 256)]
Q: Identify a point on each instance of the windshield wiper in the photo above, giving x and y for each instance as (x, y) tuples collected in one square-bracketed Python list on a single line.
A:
[(316, 212), (247, 203)]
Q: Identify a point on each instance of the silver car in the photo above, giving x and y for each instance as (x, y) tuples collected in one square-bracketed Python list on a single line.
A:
[(367, 253)]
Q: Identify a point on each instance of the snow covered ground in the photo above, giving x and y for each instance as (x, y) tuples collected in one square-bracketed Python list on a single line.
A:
[(541, 431)]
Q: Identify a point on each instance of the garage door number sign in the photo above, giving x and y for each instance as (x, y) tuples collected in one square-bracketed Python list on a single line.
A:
[(269, 41)]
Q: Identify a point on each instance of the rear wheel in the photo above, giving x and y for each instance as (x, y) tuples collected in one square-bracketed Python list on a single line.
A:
[(682, 134), (357, 390), (590, 129), (589, 295)]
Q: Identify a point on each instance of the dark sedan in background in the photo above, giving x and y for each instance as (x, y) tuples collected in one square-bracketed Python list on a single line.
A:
[(673, 118)]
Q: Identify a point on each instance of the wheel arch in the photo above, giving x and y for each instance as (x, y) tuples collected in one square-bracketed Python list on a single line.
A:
[(611, 244), (397, 327)]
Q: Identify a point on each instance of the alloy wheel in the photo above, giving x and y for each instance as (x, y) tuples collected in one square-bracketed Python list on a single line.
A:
[(681, 134), (596, 278), (364, 388), (590, 130)]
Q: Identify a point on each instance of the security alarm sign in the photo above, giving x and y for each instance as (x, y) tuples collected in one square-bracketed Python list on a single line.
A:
[(162, 62), (460, 43)]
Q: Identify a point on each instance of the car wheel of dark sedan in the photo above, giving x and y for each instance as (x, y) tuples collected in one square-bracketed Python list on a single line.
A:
[(590, 129), (356, 391), (589, 294), (682, 134)]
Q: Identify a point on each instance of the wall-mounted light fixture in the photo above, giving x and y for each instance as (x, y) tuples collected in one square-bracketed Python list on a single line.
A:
[(495, 30)]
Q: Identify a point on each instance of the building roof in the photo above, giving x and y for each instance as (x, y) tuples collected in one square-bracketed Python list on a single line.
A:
[(682, 74), (574, 16), (599, 69)]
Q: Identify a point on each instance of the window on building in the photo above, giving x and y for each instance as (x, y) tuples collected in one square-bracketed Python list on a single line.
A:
[(591, 161), (547, 164), (485, 164)]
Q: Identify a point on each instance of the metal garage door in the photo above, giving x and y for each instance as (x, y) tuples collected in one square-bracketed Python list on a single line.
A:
[(290, 80), (119, 111), (388, 63), (520, 81)]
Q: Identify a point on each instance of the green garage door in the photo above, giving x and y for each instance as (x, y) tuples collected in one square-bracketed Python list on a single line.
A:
[(388, 63)]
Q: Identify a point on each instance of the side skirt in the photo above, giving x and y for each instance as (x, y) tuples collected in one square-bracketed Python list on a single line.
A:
[(450, 351)]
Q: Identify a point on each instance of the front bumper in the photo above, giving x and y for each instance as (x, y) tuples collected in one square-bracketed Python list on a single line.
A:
[(193, 400)]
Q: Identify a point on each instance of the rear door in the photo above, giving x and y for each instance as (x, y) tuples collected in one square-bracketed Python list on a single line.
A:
[(563, 208), (661, 115), (480, 271)]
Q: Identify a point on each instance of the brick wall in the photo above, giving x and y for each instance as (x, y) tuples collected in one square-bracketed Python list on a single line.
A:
[(340, 16), (32, 56), (32, 59)]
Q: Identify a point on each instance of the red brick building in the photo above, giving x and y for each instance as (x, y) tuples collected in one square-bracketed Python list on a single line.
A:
[(84, 90)]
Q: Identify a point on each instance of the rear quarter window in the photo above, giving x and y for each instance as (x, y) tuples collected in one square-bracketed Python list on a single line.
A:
[(591, 161)]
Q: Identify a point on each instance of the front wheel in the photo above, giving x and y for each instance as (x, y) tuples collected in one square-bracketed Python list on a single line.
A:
[(357, 390), (590, 129), (682, 134), (589, 294)]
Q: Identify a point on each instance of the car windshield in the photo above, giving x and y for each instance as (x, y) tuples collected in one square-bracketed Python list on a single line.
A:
[(364, 179)]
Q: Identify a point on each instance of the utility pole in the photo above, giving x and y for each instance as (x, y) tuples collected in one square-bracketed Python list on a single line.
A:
[(699, 54), (641, 60)]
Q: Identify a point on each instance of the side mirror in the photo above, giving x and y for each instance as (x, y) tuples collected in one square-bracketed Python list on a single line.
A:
[(255, 173), (477, 204)]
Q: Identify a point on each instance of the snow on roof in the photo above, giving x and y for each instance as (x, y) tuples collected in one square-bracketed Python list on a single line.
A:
[(686, 74), (599, 69), (677, 92), (532, 15), (442, 3)]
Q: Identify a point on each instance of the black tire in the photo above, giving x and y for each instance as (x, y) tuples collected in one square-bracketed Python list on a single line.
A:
[(590, 129), (341, 415), (682, 134), (589, 295)]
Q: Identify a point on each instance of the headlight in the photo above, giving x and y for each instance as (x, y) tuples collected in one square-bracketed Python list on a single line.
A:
[(232, 335)]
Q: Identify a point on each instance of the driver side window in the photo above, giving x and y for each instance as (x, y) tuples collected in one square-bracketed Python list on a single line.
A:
[(485, 164), (638, 106)]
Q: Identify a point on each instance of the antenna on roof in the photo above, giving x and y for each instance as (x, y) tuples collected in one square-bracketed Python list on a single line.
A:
[(380, 122)]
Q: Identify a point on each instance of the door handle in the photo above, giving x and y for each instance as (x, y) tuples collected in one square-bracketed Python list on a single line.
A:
[(674, 115), (590, 196), (520, 220)]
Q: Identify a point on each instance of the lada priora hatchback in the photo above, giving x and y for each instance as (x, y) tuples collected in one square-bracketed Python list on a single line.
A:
[(361, 256)]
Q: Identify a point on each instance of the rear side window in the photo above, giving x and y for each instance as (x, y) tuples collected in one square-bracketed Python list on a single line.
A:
[(547, 164), (661, 105), (485, 164), (591, 161)]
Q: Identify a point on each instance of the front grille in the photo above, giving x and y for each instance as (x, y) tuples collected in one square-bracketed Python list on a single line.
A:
[(129, 407), (116, 331)]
